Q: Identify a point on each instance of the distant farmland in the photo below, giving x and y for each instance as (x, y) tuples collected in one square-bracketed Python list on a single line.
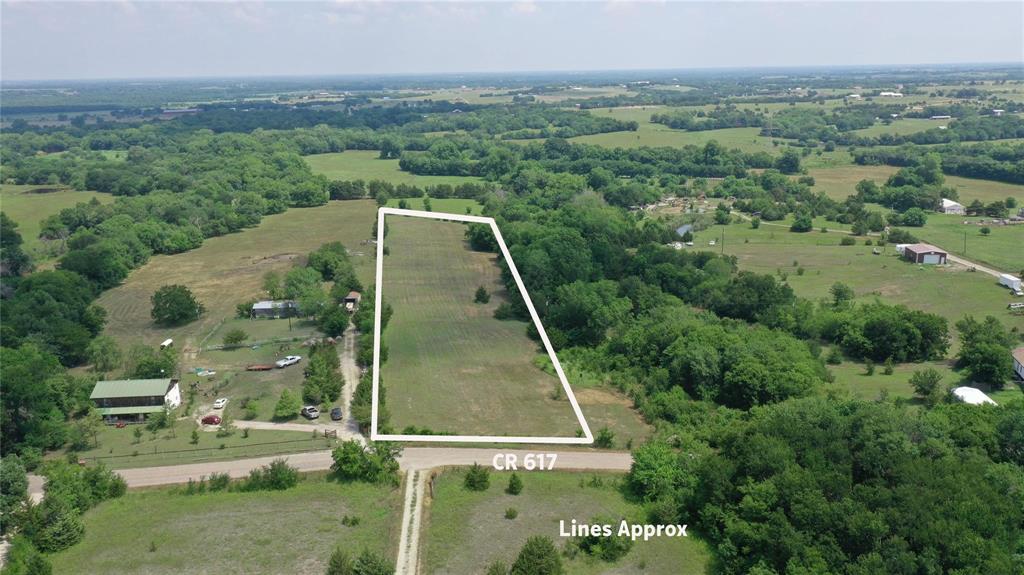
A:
[(26, 206), (365, 165)]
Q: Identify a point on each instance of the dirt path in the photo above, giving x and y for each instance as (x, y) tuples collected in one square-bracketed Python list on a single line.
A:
[(352, 373), (412, 511)]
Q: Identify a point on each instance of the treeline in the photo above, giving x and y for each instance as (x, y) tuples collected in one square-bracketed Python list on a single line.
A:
[(520, 122), (717, 119), (1002, 162)]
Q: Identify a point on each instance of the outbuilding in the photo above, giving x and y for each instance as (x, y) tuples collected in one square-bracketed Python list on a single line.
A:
[(134, 399), (352, 300), (924, 254), (274, 309), (1018, 362), (972, 396), (951, 207)]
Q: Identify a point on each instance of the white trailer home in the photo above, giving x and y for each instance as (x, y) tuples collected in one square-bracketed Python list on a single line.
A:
[(1010, 281)]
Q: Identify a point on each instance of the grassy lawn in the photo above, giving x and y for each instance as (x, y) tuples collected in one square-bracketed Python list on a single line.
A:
[(228, 270), (901, 127), (465, 531), (28, 209), (951, 292), (839, 182), (451, 365), (268, 532), (447, 205), (365, 165), (118, 448), (1003, 248)]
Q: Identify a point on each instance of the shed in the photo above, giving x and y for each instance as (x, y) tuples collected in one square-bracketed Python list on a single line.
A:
[(924, 254), (134, 399), (951, 207), (274, 309), (681, 230), (352, 300), (1018, 362), (972, 396)]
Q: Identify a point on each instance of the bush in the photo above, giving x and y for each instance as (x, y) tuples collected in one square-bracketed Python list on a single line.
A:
[(539, 556), (605, 438), (497, 568), (607, 547), (926, 385), (481, 295), (376, 463), (234, 337), (511, 513), (277, 476), (24, 559), (834, 357), (847, 241), (515, 485), (504, 311), (478, 478), (219, 481), (288, 405)]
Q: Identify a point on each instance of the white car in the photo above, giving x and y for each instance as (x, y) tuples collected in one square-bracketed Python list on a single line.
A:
[(289, 360), (220, 403)]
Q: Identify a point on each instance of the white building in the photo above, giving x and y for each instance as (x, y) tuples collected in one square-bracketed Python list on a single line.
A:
[(890, 94), (951, 207), (972, 396), (1018, 362)]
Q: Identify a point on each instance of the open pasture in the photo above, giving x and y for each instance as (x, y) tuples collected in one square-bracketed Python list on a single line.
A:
[(228, 270), (453, 367), (163, 531), (465, 531), (365, 165), (28, 206)]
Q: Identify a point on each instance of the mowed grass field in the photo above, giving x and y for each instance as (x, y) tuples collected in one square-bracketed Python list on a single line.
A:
[(841, 181), (951, 292), (259, 533), (365, 165), (28, 209), (1002, 248), (901, 127), (465, 531), (446, 205), (655, 135), (228, 270), (451, 366)]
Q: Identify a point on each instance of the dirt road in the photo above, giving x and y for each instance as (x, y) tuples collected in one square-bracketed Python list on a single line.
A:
[(352, 373)]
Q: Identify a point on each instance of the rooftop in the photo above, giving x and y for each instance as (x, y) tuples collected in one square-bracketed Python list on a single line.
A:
[(272, 304), (1018, 355), (973, 396), (919, 248), (130, 388)]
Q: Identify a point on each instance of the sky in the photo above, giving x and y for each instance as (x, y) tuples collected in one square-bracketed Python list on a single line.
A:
[(98, 40)]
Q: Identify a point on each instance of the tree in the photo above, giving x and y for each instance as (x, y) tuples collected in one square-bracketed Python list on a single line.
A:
[(497, 568), (287, 406), (369, 563), (515, 485), (24, 559), (926, 385), (985, 351), (13, 487), (235, 337), (605, 438), (375, 463), (272, 285), (985, 230), (300, 281), (104, 354), (755, 223), (789, 162), (13, 260), (33, 394), (481, 295), (539, 556), (175, 305), (802, 223), (478, 478), (841, 294), (144, 362)]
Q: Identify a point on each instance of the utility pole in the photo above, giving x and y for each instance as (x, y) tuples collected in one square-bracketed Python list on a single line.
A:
[(965, 243)]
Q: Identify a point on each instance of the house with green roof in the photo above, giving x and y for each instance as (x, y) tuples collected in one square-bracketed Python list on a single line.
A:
[(134, 399)]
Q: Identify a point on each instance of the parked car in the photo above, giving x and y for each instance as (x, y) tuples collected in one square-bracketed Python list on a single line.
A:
[(310, 412), (211, 420), (220, 403), (289, 360), (336, 414)]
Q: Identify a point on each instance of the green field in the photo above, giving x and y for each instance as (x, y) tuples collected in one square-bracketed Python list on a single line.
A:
[(464, 531), (118, 448), (28, 209), (651, 134), (451, 366), (365, 165), (164, 531), (840, 181), (228, 270), (1002, 248), (951, 292), (900, 127), (447, 205)]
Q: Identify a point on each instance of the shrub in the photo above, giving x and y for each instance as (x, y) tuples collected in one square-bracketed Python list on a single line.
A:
[(481, 295), (607, 547), (219, 481), (511, 513), (478, 478), (539, 556), (515, 485), (376, 463), (926, 385), (847, 241), (24, 559), (834, 357), (605, 438), (234, 337), (277, 476), (504, 311), (497, 568), (288, 405)]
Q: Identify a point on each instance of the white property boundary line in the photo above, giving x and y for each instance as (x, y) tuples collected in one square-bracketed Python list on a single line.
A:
[(587, 438)]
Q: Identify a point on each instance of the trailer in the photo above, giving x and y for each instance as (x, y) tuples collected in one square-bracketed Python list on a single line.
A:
[(1010, 281)]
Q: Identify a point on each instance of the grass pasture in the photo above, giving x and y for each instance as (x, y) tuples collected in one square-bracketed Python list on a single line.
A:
[(1003, 248), (446, 205), (28, 208), (365, 165), (118, 448), (259, 533), (465, 531), (838, 182), (951, 292), (228, 270), (452, 367)]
